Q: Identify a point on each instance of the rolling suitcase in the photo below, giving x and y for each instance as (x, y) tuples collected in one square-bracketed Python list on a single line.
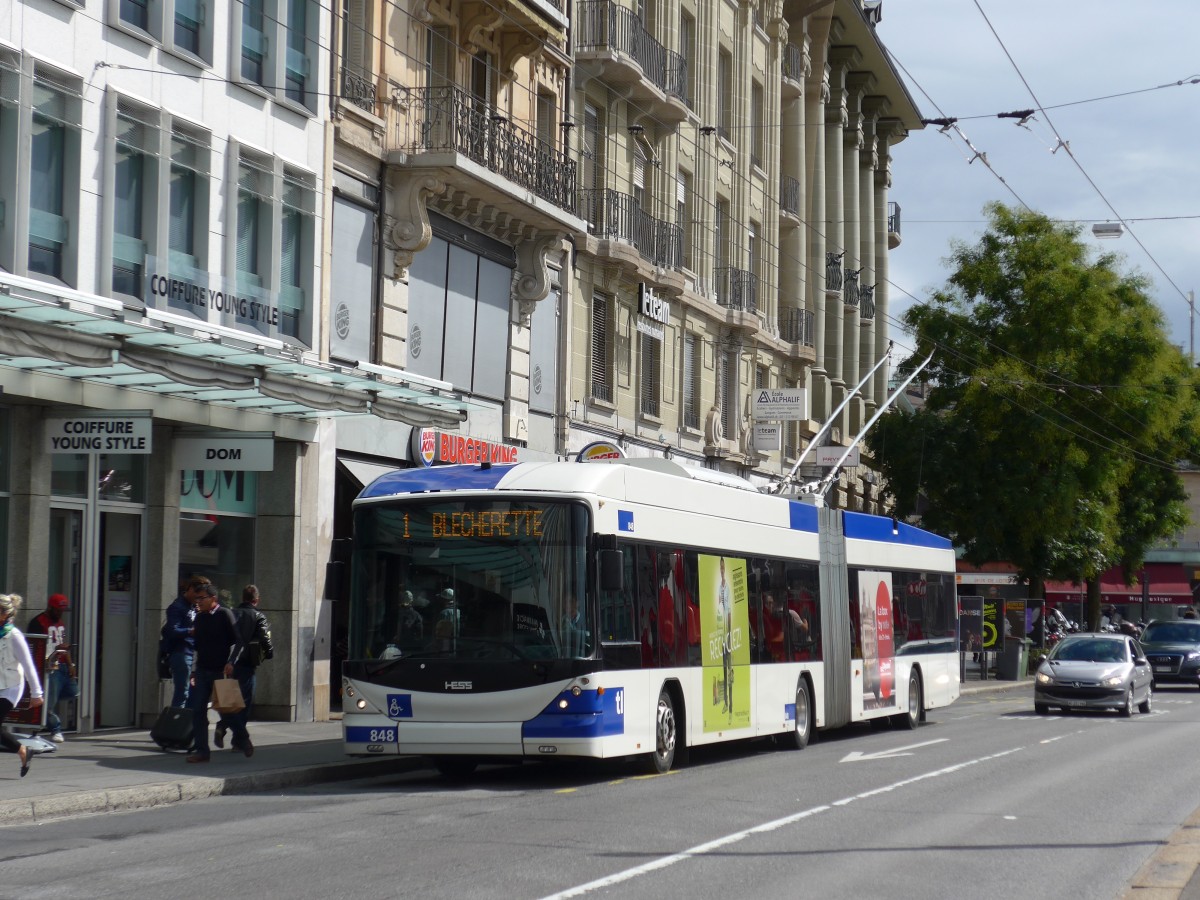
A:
[(173, 730)]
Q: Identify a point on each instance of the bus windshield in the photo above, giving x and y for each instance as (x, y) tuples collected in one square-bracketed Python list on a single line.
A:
[(474, 579)]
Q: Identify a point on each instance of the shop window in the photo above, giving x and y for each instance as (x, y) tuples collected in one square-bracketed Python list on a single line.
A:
[(216, 529), (68, 475)]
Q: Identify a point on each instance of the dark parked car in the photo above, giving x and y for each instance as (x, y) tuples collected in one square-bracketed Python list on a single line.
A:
[(1094, 671), (1173, 649)]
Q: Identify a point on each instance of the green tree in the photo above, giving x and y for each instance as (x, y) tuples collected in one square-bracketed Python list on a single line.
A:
[(1058, 411)]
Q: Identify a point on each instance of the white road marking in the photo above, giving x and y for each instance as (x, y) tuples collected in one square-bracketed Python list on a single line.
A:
[(774, 825), (856, 756)]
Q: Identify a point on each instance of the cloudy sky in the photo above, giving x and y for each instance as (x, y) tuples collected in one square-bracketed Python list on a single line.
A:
[(1076, 56)]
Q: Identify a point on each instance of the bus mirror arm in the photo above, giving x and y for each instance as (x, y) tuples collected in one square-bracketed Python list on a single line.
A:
[(612, 570)]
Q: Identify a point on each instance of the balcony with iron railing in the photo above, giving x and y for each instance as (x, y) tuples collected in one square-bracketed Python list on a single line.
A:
[(893, 225), (737, 292), (797, 326), (358, 87), (448, 129), (611, 42), (833, 271), (850, 287), (792, 65), (614, 216), (789, 199), (866, 301)]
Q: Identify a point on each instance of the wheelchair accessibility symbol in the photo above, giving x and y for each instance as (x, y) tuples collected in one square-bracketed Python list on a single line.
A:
[(399, 706)]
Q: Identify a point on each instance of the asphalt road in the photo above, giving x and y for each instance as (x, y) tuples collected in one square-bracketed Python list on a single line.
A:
[(988, 799)]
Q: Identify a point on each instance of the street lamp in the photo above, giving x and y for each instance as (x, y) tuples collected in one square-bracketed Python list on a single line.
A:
[(1108, 231)]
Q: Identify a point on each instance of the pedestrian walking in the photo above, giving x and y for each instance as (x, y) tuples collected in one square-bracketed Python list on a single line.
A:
[(16, 670), (218, 647), (178, 640), (62, 678), (255, 633)]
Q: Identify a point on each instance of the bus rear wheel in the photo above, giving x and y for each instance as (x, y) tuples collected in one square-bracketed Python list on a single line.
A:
[(666, 735), (456, 766), (801, 733), (911, 718)]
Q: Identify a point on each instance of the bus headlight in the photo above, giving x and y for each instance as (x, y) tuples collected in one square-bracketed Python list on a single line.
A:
[(362, 704)]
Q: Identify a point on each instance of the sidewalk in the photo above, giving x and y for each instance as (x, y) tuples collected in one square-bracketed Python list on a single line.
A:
[(115, 770)]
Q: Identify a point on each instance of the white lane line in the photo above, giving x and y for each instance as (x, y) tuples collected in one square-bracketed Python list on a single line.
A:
[(701, 849)]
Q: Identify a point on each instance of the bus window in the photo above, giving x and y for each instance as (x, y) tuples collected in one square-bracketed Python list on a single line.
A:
[(804, 627), (617, 618)]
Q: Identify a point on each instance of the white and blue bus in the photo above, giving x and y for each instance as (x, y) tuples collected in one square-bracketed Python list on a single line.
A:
[(630, 607)]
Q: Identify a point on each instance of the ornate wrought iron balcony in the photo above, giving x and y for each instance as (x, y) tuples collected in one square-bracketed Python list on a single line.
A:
[(449, 119), (612, 215), (358, 88), (850, 287), (866, 302), (833, 271), (797, 326), (737, 288), (602, 25), (893, 217), (793, 63), (789, 195)]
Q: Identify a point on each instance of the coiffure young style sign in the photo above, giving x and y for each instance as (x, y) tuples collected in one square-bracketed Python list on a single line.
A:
[(116, 433), (431, 447)]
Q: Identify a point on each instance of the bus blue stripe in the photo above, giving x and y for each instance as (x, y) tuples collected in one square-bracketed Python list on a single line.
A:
[(864, 527), (803, 516)]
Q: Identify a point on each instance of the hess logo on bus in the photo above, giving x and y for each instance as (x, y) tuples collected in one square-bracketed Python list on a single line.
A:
[(459, 685)]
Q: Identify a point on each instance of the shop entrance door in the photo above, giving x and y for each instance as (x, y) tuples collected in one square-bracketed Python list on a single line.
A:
[(117, 618), (66, 553)]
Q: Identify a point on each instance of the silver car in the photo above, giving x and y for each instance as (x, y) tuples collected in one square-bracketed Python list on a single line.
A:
[(1094, 671)]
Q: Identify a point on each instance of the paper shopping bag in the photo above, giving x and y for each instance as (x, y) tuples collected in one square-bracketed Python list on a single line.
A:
[(227, 696)]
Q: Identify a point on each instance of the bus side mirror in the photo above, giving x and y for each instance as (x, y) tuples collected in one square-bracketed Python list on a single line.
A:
[(612, 570), (335, 574)]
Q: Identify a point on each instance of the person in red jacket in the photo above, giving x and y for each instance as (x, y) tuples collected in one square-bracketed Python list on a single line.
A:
[(62, 682)]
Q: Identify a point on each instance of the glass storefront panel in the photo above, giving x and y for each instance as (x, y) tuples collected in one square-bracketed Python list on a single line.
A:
[(68, 475), (122, 476), (219, 547)]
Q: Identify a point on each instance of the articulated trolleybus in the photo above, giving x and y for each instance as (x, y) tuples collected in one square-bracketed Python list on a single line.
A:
[(631, 607)]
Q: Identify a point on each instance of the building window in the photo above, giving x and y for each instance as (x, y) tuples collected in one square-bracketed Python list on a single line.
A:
[(252, 259), (179, 26), (187, 226), (756, 125), (278, 50), (729, 395), (547, 120), (721, 235), (134, 184), (684, 218), (601, 351), (458, 319), (254, 42), (725, 94), (762, 377), (295, 258), (358, 80), (651, 374), (687, 49), (54, 175), (691, 381)]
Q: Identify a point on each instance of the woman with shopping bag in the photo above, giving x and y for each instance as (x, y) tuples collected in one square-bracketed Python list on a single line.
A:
[(218, 647)]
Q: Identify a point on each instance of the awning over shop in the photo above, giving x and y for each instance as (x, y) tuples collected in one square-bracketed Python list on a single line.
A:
[(46, 329), (1168, 584)]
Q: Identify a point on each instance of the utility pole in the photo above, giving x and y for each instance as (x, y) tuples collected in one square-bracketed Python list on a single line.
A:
[(1192, 326)]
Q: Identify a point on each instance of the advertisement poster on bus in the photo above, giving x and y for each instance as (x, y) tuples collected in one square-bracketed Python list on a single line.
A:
[(725, 623), (879, 660)]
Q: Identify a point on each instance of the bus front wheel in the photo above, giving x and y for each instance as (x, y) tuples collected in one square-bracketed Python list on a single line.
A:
[(801, 733), (665, 735)]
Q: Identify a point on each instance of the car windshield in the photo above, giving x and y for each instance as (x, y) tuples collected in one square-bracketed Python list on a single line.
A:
[(1090, 650), (1172, 632)]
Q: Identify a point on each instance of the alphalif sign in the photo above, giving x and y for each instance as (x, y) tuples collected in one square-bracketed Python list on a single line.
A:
[(99, 434), (780, 404)]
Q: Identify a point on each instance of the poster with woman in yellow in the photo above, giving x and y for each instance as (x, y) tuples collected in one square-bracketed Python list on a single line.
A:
[(725, 623)]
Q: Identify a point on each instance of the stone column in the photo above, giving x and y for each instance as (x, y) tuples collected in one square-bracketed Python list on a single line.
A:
[(889, 131), (874, 230), (837, 112)]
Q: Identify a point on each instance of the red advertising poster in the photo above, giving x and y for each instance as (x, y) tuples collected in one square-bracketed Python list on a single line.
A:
[(878, 641)]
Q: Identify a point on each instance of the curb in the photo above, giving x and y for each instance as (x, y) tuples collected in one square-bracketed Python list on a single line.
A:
[(36, 810)]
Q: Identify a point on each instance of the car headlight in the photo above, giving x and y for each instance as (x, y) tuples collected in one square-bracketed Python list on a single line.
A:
[(1114, 681), (1193, 654), (1043, 678)]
